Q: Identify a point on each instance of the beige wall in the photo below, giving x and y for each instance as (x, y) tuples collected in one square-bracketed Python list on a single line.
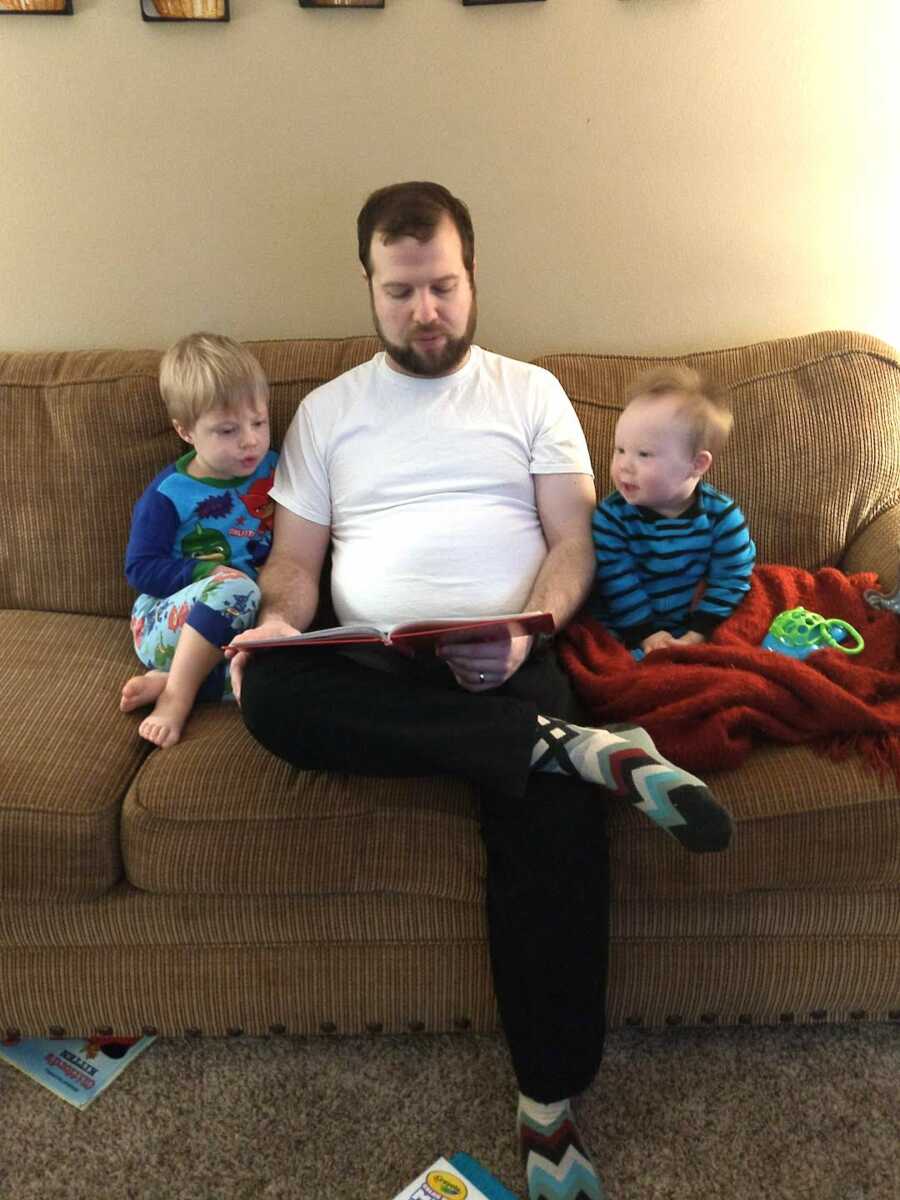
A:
[(645, 175)]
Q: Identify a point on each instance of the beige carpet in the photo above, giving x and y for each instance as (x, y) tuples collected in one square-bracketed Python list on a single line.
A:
[(695, 1114)]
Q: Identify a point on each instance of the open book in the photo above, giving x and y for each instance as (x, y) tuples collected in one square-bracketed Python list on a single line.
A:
[(415, 635)]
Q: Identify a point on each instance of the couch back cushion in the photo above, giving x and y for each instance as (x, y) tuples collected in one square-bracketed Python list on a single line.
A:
[(815, 452), (814, 457), (86, 432)]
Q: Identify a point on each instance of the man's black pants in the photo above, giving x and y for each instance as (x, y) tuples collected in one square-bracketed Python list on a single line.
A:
[(545, 835)]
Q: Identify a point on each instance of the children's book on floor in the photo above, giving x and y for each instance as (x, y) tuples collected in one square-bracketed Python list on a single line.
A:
[(457, 1178), (76, 1069)]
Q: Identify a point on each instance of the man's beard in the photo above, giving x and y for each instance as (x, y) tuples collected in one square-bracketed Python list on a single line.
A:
[(451, 356)]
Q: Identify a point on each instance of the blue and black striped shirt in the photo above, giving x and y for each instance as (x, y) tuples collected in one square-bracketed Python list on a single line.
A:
[(650, 568)]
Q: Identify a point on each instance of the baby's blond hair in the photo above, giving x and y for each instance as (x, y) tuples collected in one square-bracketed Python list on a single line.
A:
[(703, 407), (207, 370)]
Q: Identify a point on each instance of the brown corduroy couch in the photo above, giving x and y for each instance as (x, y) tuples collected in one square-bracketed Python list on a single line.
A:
[(211, 887)]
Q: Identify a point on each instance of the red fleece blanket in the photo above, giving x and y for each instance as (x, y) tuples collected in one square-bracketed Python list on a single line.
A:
[(707, 706)]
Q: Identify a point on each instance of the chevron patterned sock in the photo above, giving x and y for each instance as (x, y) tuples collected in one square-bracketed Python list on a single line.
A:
[(624, 760), (556, 1164)]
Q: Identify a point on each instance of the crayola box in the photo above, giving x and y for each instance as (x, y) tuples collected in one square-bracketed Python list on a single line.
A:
[(457, 1178)]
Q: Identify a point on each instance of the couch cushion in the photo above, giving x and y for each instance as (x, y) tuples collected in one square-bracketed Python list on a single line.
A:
[(814, 457), (803, 821), (217, 814), (66, 753), (92, 425)]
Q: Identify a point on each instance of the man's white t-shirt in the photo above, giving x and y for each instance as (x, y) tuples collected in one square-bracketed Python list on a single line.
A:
[(427, 484)]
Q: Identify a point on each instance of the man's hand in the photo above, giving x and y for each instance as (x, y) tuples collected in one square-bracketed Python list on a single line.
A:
[(481, 666), (238, 658)]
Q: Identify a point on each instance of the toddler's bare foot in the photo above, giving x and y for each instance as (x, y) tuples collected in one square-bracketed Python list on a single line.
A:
[(142, 689), (164, 725)]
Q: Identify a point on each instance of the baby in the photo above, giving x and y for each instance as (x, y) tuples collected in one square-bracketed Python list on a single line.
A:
[(200, 532), (674, 556)]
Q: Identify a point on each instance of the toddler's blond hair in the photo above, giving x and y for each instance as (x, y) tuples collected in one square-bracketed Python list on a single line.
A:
[(207, 370), (704, 408)]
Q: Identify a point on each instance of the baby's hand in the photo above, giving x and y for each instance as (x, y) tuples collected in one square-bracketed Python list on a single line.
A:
[(656, 641), (691, 638)]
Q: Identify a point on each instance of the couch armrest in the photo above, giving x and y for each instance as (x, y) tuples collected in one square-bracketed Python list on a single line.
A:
[(877, 548)]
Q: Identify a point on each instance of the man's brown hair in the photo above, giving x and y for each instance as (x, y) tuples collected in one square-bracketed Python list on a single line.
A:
[(413, 209)]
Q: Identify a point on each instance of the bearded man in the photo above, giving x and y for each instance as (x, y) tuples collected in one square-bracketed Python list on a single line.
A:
[(450, 481)]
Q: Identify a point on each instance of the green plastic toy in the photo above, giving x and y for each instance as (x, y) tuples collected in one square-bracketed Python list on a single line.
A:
[(799, 633)]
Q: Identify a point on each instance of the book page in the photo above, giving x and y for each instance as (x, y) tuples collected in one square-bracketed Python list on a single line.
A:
[(472, 629), (415, 633)]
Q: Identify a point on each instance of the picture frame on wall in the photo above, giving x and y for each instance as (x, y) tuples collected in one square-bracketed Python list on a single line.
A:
[(342, 3), (38, 8), (185, 10)]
